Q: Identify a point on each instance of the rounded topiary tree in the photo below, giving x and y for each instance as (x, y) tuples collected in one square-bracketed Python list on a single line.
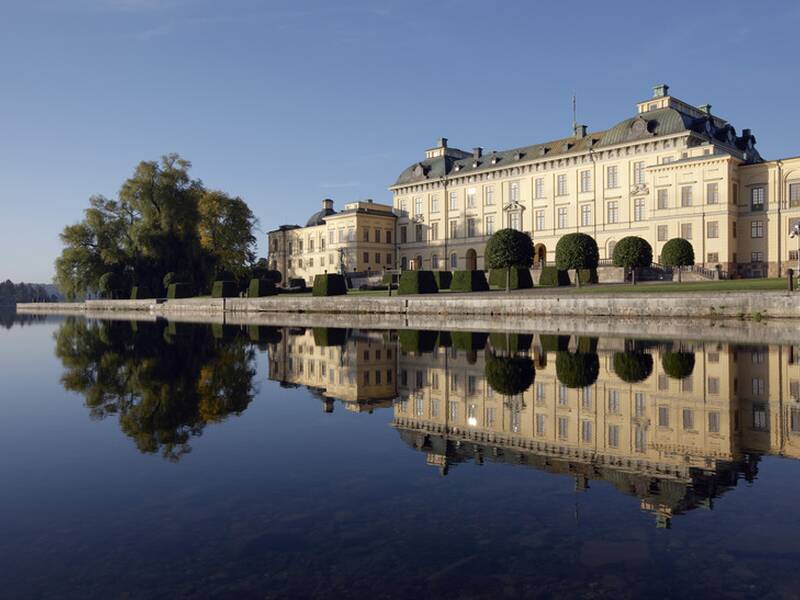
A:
[(508, 249), (677, 252), (633, 367), (576, 251), (632, 252), (678, 365), (509, 375)]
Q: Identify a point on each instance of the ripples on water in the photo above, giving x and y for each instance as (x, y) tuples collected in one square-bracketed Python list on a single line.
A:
[(262, 461)]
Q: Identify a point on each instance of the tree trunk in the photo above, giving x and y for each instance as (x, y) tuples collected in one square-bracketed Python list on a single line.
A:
[(679, 274), (508, 279), (577, 278), (633, 276)]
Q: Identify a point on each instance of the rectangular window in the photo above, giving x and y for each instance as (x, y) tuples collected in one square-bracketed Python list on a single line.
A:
[(712, 193), (561, 185), (377, 237), (514, 192), (638, 209), (794, 195), (663, 416), (688, 419), (586, 181), (453, 229), (638, 404), (756, 256), (435, 262), (662, 233), (453, 200), (377, 258), (454, 261), (471, 229), (539, 188), (540, 392), (638, 173), (366, 257), (513, 221), (434, 203), (417, 206), (471, 198), (403, 234), (712, 257), (757, 386), (757, 196), (562, 395), (586, 215), (540, 424), (713, 422), (563, 428), (562, 217), (613, 436), (434, 231), (712, 230), (640, 439), (419, 233), (388, 259), (489, 197), (586, 431), (663, 195), (686, 231), (757, 229), (713, 385), (686, 195), (586, 398), (613, 212), (539, 220), (612, 177), (666, 160), (489, 225), (403, 206), (613, 402), (759, 416)]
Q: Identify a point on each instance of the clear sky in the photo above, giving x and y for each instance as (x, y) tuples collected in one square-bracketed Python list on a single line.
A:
[(285, 103)]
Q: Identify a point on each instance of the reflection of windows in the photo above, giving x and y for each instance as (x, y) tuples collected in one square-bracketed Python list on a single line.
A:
[(713, 422), (613, 436), (563, 427), (453, 410), (586, 398), (758, 386), (540, 424), (613, 401), (490, 416), (663, 416), (640, 439), (759, 416), (713, 385), (638, 404), (562, 395), (663, 384), (688, 419), (794, 420), (540, 392), (586, 431)]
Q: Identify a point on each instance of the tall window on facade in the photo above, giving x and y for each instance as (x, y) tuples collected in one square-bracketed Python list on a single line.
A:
[(366, 257), (539, 188), (662, 232), (417, 206), (712, 229), (586, 181), (686, 195), (513, 191), (613, 212), (377, 258), (662, 198), (489, 195), (453, 200), (453, 229), (471, 228), (638, 173), (757, 196), (638, 209), (300, 246), (331, 237), (794, 195), (612, 176), (514, 221), (471, 198), (453, 261), (434, 231), (562, 217), (586, 215), (712, 193), (435, 262), (435, 203), (561, 185), (419, 234), (388, 259), (403, 234), (757, 229), (403, 263), (489, 225), (539, 220), (686, 231)]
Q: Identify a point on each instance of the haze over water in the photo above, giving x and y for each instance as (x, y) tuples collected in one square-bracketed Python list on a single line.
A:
[(164, 460)]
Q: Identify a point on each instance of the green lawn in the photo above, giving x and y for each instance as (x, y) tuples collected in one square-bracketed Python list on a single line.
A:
[(667, 287)]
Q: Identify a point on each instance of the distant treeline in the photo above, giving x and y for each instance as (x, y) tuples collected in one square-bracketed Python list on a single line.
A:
[(12, 293)]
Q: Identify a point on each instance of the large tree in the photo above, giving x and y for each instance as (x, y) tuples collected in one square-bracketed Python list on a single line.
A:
[(162, 221), (508, 249)]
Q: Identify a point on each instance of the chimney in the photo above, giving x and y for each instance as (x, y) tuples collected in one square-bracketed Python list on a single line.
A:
[(442, 143), (580, 131), (660, 90), (706, 108), (477, 152), (746, 133), (327, 204)]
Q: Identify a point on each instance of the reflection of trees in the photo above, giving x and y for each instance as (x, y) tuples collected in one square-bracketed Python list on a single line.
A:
[(509, 375), (164, 386), (578, 369), (678, 365), (633, 367)]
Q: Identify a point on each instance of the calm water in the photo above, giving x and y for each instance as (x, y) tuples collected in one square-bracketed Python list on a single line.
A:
[(168, 460)]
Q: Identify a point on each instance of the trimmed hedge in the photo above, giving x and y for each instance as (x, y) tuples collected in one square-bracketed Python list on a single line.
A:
[(224, 332), (329, 284), (445, 340), (259, 288), (417, 341), (552, 277), (390, 278), (330, 336), (554, 343), (224, 289), (577, 370), (509, 375), (633, 367), (678, 365), (262, 334), (443, 279), (520, 278), (469, 281), (417, 282), (510, 342), (469, 341), (297, 282), (587, 344), (140, 292), (588, 276), (180, 290)]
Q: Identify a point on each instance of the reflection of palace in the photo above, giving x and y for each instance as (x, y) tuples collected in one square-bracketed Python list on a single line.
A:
[(691, 423)]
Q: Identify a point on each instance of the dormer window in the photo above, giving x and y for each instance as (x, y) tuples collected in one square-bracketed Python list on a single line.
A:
[(544, 150), (457, 168), (419, 170), (518, 156), (495, 159), (475, 164)]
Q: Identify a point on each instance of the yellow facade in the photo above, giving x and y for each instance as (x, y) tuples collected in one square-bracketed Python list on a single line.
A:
[(359, 239), (672, 170)]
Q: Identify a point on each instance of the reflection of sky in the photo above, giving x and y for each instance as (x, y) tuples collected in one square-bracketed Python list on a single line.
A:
[(287, 498)]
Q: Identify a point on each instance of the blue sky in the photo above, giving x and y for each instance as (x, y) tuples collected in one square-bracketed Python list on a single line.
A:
[(285, 103)]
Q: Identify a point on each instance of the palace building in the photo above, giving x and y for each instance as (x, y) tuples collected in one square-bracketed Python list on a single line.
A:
[(671, 170)]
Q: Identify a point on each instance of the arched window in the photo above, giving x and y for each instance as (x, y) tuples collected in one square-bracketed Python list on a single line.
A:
[(435, 262), (419, 263), (403, 263), (454, 261)]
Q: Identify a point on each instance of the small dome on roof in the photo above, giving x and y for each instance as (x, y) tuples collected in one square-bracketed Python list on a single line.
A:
[(318, 218)]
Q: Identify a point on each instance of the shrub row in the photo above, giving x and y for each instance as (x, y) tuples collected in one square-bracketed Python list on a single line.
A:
[(520, 278), (329, 284), (469, 281)]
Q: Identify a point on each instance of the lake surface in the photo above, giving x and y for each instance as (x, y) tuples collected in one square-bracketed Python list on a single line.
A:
[(169, 460)]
